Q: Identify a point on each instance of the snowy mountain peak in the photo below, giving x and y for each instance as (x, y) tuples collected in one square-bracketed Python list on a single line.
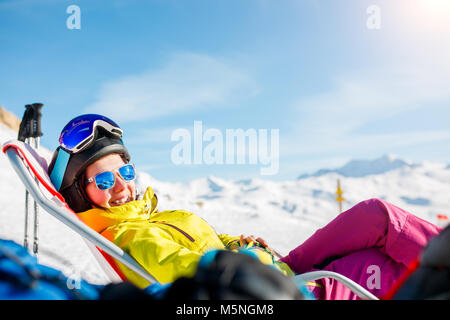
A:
[(363, 168), (214, 184)]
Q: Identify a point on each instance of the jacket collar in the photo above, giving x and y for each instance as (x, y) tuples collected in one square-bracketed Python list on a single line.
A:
[(100, 219)]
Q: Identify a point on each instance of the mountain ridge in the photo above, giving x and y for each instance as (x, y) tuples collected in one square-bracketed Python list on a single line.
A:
[(9, 119), (364, 168)]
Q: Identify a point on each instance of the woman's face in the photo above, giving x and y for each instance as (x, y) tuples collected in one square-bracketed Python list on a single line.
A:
[(122, 191)]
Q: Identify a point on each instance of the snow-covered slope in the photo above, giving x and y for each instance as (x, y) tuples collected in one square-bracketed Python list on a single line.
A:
[(284, 213), (287, 212)]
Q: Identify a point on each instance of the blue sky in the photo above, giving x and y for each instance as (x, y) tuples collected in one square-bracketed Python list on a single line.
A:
[(335, 89)]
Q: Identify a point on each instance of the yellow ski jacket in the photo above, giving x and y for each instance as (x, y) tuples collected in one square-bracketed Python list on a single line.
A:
[(167, 244)]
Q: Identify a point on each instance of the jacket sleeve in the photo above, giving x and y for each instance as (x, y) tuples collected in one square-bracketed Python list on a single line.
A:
[(155, 251), (230, 242)]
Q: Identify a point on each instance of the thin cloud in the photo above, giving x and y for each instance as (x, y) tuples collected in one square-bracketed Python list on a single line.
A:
[(187, 83), (152, 136), (374, 94), (333, 122)]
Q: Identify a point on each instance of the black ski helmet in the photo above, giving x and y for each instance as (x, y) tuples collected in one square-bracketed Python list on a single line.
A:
[(73, 182)]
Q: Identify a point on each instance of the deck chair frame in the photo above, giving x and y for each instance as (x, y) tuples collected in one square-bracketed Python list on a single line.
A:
[(353, 286), (24, 160)]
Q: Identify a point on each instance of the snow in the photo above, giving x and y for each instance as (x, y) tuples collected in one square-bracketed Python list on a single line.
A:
[(284, 213)]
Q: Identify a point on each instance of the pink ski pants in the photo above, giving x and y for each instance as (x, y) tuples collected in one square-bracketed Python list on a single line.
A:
[(372, 243)]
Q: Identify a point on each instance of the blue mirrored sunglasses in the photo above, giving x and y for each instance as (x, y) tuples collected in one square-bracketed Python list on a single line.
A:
[(80, 132), (106, 180)]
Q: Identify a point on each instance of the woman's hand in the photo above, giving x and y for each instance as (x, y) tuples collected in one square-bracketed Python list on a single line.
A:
[(251, 239)]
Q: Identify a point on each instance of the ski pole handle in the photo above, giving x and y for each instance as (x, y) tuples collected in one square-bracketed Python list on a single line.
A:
[(24, 128), (36, 120), (30, 126)]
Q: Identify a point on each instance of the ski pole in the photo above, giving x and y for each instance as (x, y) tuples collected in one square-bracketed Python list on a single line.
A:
[(35, 134), (25, 234), (23, 135), (30, 129), (36, 214)]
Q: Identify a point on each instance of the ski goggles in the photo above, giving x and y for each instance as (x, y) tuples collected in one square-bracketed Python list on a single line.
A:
[(106, 180), (79, 133)]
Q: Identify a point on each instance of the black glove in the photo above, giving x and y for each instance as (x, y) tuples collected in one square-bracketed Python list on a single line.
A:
[(227, 275), (431, 280)]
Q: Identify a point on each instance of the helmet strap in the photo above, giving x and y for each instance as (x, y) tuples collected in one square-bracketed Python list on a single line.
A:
[(59, 168)]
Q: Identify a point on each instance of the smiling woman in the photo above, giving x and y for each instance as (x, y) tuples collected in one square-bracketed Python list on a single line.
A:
[(110, 188), (91, 150)]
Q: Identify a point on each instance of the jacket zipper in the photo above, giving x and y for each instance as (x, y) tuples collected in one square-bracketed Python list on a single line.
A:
[(176, 228)]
